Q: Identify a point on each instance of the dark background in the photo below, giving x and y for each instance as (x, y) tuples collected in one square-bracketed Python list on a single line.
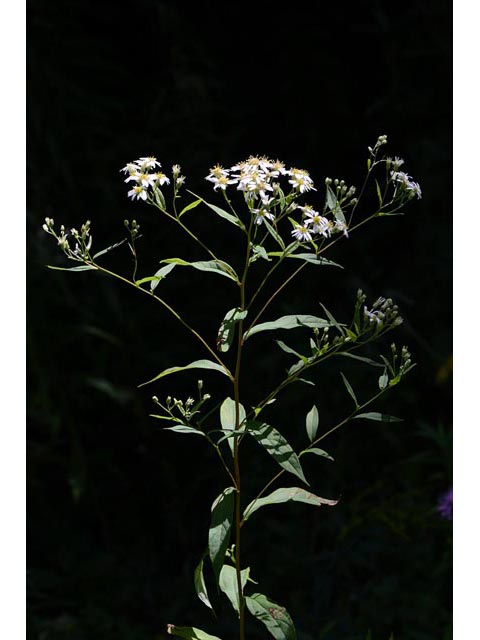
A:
[(118, 511)]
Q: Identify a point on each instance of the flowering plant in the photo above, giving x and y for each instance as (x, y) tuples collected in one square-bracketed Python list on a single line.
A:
[(276, 226)]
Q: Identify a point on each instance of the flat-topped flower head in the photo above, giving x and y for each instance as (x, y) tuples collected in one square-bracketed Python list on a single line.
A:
[(138, 193), (300, 180), (302, 233), (144, 179)]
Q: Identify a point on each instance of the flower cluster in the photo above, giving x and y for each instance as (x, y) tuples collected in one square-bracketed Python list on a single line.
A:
[(257, 178), (405, 186), (82, 238), (145, 175), (383, 314)]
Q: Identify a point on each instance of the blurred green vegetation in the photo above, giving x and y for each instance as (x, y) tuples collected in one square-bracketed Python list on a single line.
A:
[(117, 511)]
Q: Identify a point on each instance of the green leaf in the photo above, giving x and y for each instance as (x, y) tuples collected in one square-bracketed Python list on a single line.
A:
[(379, 194), (348, 387), (228, 584), (220, 527), (383, 380), (309, 257), (190, 206), (227, 328), (190, 633), (274, 617), (318, 452), (161, 274), (276, 445), (199, 582), (212, 266), (331, 199), (289, 494), (287, 349), (369, 361), (198, 364), (113, 246), (274, 233), (287, 322), (258, 252), (309, 382), (332, 320), (221, 212), (379, 417), (83, 267), (227, 417), (312, 423), (183, 428)]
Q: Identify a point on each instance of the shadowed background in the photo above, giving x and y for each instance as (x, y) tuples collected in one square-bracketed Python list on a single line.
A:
[(118, 511)]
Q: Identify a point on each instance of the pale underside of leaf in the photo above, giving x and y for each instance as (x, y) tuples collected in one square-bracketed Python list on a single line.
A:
[(275, 617), (290, 494), (198, 364), (288, 322)]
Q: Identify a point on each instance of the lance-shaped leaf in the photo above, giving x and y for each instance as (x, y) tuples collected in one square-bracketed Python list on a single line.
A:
[(155, 279), (275, 444), (183, 428), (198, 364), (113, 246), (290, 494), (369, 361), (258, 252), (227, 328), (383, 380), (190, 206), (190, 633), (228, 584), (199, 582), (378, 417), (274, 233), (221, 212), (220, 527), (228, 417), (311, 423), (83, 267), (318, 452), (275, 617), (334, 205), (307, 257), (287, 322), (349, 388), (213, 266)]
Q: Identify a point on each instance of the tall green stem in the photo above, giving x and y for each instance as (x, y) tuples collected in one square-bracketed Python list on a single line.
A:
[(236, 456)]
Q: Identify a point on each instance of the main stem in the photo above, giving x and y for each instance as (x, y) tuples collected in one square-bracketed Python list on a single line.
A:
[(236, 456)]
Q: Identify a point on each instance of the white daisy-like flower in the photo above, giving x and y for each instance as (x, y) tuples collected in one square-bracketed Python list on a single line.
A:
[(262, 214), (160, 178), (300, 179), (317, 223), (407, 183), (138, 193), (145, 179), (216, 173), (130, 168), (148, 162), (341, 226), (222, 182), (302, 233)]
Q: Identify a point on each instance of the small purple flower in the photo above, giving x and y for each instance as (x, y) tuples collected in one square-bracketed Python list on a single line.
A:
[(445, 505)]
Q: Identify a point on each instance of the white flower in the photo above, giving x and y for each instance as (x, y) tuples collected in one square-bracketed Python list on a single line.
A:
[(302, 233), (145, 179), (221, 182), (161, 178), (138, 192), (317, 223), (301, 180), (216, 172), (405, 181), (130, 168), (148, 162), (262, 214), (341, 226)]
